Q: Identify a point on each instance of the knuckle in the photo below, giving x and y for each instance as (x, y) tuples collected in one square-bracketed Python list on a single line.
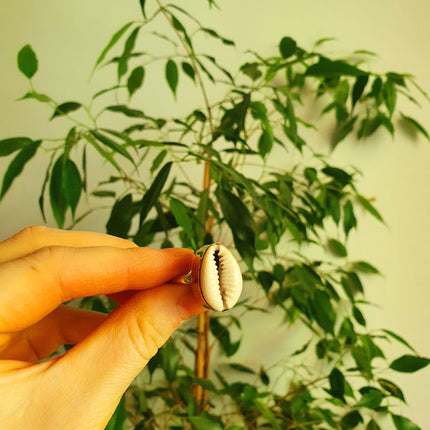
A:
[(51, 253), (144, 336), (33, 233), (47, 263)]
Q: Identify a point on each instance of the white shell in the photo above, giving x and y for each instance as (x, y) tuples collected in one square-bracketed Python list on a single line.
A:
[(220, 278)]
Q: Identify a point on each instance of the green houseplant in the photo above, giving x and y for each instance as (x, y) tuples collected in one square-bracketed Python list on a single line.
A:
[(264, 190)]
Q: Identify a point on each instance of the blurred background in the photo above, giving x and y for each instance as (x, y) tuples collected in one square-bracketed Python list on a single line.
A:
[(68, 37)]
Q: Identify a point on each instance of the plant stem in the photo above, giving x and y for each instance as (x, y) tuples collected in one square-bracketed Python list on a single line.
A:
[(202, 365), (200, 358)]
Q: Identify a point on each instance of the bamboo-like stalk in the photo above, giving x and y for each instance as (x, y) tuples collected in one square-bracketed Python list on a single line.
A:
[(202, 366), (207, 356), (200, 359)]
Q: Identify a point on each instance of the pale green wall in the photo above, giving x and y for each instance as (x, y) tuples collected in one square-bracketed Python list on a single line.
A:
[(67, 37)]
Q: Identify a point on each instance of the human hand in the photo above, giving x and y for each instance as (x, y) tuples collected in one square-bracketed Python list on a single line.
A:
[(41, 268)]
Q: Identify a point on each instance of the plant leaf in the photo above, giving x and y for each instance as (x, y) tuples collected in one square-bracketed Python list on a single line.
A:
[(170, 361), (42, 192), (205, 70), (358, 316), (178, 26), (214, 34), (337, 248), (403, 423), (328, 68), (158, 160), (340, 176), (287, 47), (267, 413), (349, 220), (27, 61), (241, 368), (56, 192), (392, 388), (117, 421), (358, 88), (105, 91), (265, 279), (189, 70), (343, 129), (372, 425), (171, 72), (369, 207), (389, 93), (120, 135), (323, 311), (142, 7), (112, 144), (119, 222), (84, 169), (251, 70), (399, 339), (337, 384), (72, 184), (131, 113), (65, 108), (323, 40), (416, 125), (17, 165), (265, 142), (365, 267), (371, 398), (71, 141), (205, 423), (114, 39), (351, 420), (240, 221), (180, 213), (106, 155), (103, 193), (409, 363), (128, 48), (222, 69), (43, 98), (135, 80), (154, 191), (12, 144)]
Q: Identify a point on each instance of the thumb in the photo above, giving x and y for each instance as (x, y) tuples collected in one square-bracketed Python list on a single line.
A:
[(96, 372)]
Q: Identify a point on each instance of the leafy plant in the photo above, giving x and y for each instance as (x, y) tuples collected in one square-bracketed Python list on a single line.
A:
[(268, 192)]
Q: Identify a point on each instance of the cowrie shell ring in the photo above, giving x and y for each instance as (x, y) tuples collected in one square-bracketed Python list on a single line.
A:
[(220, 278)]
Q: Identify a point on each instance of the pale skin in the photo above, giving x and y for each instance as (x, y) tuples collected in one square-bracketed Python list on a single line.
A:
[(41, 268)]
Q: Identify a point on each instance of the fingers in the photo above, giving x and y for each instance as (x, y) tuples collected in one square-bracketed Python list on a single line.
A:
[(34, 285), (104, 364), (35, 237), (63, 326)]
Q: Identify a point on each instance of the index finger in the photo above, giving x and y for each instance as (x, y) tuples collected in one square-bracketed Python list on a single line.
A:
[(32, 238), (34, 285)]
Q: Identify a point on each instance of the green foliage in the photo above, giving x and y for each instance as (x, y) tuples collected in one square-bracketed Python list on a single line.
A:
[(65, 108), (272, 212), (409, 363), (403, 423), (15, 168), (172, 75), (27, 61), (117, 421)]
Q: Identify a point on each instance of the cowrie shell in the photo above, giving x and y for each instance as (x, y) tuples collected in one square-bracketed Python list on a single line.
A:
[(220, 278)]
